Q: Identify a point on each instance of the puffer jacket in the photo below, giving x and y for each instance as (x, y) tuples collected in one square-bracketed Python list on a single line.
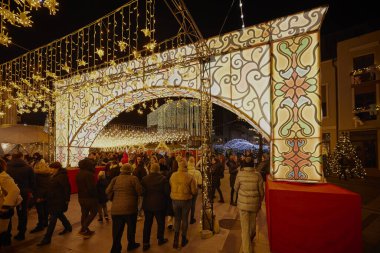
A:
[(9, 191), (183, 185), (195, 173), (250, 188), (126, 190), (42, 174)]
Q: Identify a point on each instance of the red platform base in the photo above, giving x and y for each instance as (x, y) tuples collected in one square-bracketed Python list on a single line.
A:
[(72, 173), (312, 218)]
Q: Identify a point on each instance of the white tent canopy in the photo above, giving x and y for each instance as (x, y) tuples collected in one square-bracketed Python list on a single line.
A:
[(22, 134)]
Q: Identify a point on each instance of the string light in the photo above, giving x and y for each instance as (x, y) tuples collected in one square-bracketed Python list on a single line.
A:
[(241, 14)]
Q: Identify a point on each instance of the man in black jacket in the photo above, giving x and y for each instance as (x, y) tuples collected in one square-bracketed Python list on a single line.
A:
[(58, 198), (87, 194), (23, 175), (156, 193)]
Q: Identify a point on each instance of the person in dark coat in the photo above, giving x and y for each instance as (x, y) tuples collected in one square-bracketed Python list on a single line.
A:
[(217, 170), (24, 177), (58, 198), (101, 186), (42, 174), (139, 169), (233, 167), (87, 195), (156, 192)]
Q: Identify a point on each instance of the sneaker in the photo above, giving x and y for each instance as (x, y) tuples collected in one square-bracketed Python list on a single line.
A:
[(139, 218), (221, 201), (162, 241), (170, 227), (133, 246), (192, 221), (100, 219), (184, 241), (106, 217)]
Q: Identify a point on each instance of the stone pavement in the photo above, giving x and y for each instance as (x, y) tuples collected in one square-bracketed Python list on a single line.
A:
[(227, 241)]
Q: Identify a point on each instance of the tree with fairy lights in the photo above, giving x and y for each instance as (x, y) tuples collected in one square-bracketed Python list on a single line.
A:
[(344, 161)]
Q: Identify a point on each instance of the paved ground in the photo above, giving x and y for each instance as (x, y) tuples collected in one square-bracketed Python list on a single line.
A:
[(227, 241)]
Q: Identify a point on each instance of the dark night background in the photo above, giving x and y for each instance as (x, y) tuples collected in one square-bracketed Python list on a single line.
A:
[(343, 20)]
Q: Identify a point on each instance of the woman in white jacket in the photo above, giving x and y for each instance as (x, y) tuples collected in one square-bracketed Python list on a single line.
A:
[(9, 196), (198, 179)]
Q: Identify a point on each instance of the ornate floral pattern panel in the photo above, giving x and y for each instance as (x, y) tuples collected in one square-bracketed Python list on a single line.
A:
[(242, 79), (281, 28), (296, 115)]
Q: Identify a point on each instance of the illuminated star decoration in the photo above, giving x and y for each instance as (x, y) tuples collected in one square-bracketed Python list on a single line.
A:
[(81, 63), (66, 68), (5, 39), (100, 52), (151, 46), (24, 19), (52, 5), (122, 45), (136, 54), (147, 32), (112, 63)]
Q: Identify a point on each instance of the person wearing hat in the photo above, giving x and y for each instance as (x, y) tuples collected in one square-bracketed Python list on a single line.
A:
[(125, 189), (156, 193), (58, 198)]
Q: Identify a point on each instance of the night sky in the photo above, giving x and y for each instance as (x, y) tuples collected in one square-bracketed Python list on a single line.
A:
[(343, 20)]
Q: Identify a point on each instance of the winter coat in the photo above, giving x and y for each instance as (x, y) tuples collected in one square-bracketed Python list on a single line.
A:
[(140, 171), (183, 185), (126, 190), (217, 172), (156, 192), (9, 191), (22, 174), (42, 174), (101, 187), (85, 180), (250, 187), (233, 169), (59, 192), (195, 173)]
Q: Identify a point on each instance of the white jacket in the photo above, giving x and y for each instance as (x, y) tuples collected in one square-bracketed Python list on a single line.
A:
[(195, 173), (9, 191)]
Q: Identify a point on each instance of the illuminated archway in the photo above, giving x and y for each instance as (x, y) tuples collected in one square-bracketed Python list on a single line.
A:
[(267, 74)]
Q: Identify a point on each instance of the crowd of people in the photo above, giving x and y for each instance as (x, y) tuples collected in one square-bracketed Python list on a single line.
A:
[(161, 187)]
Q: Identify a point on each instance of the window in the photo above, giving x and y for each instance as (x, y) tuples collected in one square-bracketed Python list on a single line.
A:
[(324, 100), (365, 95), (365, 143)]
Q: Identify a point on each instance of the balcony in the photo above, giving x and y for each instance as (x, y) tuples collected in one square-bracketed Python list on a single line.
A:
[(365, 76)]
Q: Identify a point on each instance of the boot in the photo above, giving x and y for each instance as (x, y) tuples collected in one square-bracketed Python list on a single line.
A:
[(184, 241), (176, 239)]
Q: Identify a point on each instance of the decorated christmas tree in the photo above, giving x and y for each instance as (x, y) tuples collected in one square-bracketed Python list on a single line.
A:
[(344, 161)]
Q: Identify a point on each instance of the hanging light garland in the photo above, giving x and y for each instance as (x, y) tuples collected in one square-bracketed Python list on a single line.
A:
[(18, 13), (121, 136), (241, 14)]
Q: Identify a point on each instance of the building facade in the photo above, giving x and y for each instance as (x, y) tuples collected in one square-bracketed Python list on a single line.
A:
[(351, 96)]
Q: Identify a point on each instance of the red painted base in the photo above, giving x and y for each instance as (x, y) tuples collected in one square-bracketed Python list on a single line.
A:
[(312, 218)]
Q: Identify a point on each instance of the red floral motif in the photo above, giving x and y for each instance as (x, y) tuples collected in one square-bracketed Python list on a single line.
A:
[(295, 87), (296, 158)]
